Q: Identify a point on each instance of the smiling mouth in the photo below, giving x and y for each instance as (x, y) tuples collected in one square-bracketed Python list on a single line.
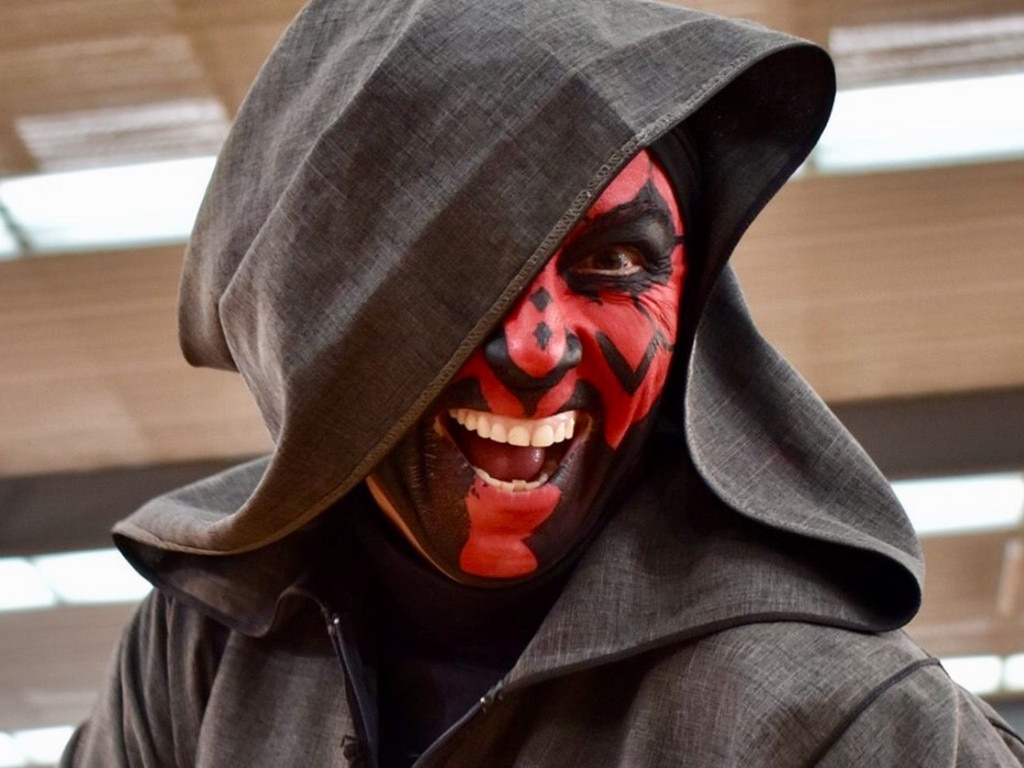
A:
[(513, 454)]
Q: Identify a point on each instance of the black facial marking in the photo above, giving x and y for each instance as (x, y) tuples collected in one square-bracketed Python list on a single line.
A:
[(628, 377), (542, 334), (464, 393), (580, 521), (529, 389), (540, 299), (644, 224)]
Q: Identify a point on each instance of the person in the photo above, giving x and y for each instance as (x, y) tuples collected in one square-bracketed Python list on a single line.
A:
[(540, 494)]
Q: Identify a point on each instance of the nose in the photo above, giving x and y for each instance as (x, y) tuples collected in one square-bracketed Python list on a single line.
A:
[(534, 347)]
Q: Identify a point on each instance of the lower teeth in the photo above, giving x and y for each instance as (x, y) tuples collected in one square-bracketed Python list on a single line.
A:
[(512, 485)]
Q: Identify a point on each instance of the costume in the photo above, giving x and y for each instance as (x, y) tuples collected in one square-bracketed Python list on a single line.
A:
[(399, 174)]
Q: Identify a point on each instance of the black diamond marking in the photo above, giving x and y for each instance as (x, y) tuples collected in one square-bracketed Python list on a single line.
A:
[(540, 299), (630, 378), (543, 335)]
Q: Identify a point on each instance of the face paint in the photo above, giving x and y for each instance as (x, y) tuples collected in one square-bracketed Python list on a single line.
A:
[(549, 414)]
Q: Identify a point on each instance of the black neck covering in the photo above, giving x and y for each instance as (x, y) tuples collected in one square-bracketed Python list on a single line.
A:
[(433, 647)]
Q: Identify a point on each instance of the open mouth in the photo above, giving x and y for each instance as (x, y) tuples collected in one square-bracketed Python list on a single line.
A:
[(514, 454)]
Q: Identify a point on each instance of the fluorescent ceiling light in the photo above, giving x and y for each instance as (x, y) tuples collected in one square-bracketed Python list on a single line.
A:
[(978, 674), (8, 245), (43, 746), (72, 578), (107, 207), (98, 576), (22, 587), (11, 755), (928, 123), (962, 504), (1013, 672)]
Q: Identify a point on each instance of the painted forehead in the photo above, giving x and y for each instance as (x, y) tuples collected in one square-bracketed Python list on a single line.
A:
[(627, 185)]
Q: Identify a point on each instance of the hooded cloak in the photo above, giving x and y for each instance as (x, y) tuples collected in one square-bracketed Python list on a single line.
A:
[(398, 174)]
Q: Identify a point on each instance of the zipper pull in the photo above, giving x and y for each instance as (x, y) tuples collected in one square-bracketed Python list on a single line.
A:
[(492, 696)]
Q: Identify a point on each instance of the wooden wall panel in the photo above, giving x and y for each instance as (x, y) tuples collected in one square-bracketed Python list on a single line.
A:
[(92, 374), (894, 284)]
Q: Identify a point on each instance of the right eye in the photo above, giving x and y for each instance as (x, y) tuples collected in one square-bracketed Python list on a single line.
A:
[(610, 262)]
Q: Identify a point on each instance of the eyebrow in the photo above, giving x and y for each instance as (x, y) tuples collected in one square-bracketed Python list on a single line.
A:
[(646, 198), (646, 218)]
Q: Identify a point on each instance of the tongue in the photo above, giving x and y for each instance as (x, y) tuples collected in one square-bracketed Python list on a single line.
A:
[(501, 460)]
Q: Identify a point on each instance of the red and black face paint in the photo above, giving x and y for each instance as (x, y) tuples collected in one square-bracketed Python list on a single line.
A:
[(549, 414)]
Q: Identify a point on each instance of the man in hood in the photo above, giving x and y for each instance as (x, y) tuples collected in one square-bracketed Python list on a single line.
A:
[(540, 493)]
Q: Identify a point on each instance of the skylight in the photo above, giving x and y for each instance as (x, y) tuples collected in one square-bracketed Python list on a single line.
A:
[(142, 204), (97, 576), (924, 124), (963, 504)]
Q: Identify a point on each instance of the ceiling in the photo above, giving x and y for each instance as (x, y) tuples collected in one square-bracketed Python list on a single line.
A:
[(895, 294)]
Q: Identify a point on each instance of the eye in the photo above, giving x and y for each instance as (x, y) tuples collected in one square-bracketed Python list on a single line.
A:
[(613, 261)]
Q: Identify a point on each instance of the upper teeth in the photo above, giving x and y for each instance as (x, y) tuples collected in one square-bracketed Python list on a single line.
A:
[(539, 433)]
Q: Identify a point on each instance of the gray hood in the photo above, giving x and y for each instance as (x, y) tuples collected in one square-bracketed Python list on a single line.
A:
[(401, 170)]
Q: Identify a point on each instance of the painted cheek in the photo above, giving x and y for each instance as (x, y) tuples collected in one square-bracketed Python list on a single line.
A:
[(633, 352), (499, 398)]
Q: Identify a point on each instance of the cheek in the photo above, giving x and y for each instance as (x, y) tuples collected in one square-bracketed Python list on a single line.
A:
[(631, 344), (632, 323)]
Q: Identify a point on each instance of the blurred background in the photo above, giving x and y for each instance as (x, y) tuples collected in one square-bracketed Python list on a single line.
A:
[(891, 271)]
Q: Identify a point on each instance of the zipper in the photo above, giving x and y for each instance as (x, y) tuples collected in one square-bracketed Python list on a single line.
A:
[(480, 708), (361, 750), (491, 697)]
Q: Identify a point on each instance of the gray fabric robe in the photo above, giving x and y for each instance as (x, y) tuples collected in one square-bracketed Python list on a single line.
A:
[(399, 172)]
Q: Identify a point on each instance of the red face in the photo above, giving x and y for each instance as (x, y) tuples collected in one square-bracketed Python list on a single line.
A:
[(548, 415)]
